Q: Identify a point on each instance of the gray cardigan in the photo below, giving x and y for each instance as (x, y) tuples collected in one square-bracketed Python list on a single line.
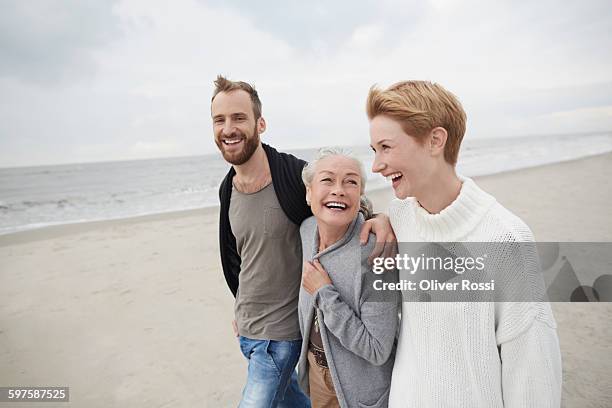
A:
[(358, 333)]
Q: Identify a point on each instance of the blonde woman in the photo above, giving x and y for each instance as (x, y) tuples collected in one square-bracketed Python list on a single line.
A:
[(458, 354)]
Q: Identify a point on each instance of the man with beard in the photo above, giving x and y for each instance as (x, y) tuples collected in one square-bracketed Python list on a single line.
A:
[(263, 203)]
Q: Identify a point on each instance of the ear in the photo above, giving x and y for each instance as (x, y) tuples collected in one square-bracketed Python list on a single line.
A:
[(261, 125), (307, 195), (437, 141)]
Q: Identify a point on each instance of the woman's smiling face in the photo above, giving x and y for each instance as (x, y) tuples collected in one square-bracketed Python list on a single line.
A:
[(401, 158), (335, 191)]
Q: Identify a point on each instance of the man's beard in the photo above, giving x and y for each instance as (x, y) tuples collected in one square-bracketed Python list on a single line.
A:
[(243, 156)]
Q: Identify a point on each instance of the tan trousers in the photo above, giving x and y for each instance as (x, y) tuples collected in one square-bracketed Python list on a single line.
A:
[(322, 393)]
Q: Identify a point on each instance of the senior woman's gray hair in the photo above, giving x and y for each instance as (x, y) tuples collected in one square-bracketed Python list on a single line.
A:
[(365, 206)]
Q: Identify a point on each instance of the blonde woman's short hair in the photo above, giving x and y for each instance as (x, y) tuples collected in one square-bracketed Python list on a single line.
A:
[(419, 107)]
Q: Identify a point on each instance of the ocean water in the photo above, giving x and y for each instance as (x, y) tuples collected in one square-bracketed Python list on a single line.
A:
[(33, 197)]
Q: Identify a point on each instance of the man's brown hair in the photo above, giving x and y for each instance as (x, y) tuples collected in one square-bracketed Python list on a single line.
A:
[(420, 106), (223, 84)]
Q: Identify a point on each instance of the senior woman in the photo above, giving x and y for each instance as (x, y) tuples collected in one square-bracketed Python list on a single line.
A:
[(348, 330)]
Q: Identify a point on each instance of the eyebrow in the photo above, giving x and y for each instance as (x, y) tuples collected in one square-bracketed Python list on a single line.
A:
[(231, 114), (347, 174), (381, 142)]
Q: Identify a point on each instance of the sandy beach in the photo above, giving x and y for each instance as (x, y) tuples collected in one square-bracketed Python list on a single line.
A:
[(136, 312)]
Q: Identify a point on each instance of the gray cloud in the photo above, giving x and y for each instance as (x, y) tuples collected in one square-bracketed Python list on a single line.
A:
[(564, 98), (50, 41), (323, 26), (520, 68)]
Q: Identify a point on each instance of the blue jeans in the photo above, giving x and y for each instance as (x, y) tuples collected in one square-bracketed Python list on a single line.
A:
[(272, 380)]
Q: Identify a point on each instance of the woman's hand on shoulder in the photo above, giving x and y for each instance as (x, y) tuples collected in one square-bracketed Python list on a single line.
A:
[(386, 242)]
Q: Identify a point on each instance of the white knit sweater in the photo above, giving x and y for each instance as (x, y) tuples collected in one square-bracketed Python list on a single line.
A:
[(472, 354)]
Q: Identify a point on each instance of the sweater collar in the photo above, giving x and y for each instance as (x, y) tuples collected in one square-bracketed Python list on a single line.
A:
[(358, 220), (456, 220)]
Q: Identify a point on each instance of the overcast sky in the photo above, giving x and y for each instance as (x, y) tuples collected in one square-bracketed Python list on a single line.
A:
[(101, 80)]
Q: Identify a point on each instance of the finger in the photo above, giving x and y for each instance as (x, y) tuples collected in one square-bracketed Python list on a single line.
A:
[(365, 232), (376, 251), (322, 272), (317, 265), (307, 267), (307, 286)]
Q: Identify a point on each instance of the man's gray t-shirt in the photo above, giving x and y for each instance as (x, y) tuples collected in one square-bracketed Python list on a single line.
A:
[(270, 276)]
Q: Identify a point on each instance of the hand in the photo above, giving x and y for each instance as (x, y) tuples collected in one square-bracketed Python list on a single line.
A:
[(314, 277), (235, 327), (386, 242)]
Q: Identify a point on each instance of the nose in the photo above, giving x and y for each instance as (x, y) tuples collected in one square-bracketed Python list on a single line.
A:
[(228, 129), (378, 166), (338, 189)]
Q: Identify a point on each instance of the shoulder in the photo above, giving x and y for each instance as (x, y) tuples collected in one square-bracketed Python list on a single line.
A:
[(497, 223), (289, 158), (508, 226), (284, 158), (401, 214), (308, 226), (226, 184), (512, 244), (308, 229), (368, 247)]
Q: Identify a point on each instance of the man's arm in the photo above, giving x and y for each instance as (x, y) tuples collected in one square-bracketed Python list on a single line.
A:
[(230, 259)]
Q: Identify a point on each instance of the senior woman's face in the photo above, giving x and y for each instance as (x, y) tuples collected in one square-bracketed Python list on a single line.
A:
[(335, 190)]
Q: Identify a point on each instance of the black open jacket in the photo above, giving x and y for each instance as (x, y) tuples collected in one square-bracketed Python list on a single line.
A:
[(286, 172)]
